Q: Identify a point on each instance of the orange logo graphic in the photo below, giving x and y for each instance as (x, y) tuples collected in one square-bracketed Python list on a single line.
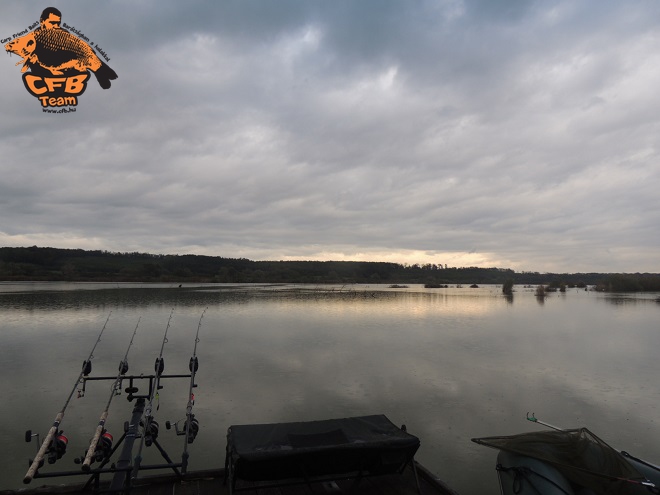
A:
[(56, 63)]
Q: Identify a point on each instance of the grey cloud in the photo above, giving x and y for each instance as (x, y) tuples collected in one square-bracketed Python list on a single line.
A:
[(525, 131)]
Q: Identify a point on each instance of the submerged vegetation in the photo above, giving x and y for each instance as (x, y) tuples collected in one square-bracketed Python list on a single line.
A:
[(53, 264)]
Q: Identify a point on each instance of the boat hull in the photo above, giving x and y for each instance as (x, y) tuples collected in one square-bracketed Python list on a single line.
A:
[(522, 475)]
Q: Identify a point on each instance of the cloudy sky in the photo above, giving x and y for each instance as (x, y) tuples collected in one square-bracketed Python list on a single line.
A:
[(518, 134)]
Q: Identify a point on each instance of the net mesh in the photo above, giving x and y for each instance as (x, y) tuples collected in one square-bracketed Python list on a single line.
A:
[(578, 454)]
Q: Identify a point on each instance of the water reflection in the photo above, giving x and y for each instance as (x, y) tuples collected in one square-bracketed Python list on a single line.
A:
[(451, 364)]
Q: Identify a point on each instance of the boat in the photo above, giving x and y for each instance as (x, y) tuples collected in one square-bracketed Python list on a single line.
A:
[(568, 462)]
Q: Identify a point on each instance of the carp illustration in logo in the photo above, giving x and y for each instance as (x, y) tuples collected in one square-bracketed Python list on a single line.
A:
[(51, 51)]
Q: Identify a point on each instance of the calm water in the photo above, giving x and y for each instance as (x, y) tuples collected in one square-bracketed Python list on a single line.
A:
[(451, 364)]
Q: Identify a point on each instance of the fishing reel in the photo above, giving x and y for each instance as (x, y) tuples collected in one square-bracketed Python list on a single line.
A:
[(190, 431), (150, 430), (104, 447), (56, 449), (102, 451)]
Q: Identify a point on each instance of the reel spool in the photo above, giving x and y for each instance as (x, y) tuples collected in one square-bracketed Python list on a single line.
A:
[(193, 430), (151, 431), (57, 447)]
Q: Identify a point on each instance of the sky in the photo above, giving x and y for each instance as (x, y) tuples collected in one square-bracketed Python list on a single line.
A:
[(516, 134)]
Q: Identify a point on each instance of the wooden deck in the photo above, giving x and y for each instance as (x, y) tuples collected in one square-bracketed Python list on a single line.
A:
[(212, 482)]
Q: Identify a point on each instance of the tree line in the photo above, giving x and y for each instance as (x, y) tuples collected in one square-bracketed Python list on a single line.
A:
[(54, 264)]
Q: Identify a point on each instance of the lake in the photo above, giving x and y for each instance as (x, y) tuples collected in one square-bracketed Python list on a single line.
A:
[(451, 364)]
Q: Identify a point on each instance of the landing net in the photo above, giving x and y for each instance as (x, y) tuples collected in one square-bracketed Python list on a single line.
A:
[(578, 454)]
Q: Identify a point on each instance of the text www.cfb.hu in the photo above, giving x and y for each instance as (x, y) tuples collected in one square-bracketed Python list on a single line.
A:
[(61, 110)]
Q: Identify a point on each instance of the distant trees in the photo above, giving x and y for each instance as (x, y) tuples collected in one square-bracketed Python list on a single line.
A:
[(620, 282), (35, 263)]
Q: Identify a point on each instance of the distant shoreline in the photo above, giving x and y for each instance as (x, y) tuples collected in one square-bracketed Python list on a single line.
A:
[(46, 264)]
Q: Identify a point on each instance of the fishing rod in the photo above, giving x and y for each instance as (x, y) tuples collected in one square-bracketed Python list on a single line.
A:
[(150, 431), (191, 425), (56, 447), (93, 453)]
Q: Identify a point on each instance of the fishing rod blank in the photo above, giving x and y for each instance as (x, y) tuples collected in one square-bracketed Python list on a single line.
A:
[(150, 431), (159, 367), (57, 446), (100, 432), (191, 425)]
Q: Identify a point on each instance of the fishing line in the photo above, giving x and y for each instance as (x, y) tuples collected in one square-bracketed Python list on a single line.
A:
[(58, 448)]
